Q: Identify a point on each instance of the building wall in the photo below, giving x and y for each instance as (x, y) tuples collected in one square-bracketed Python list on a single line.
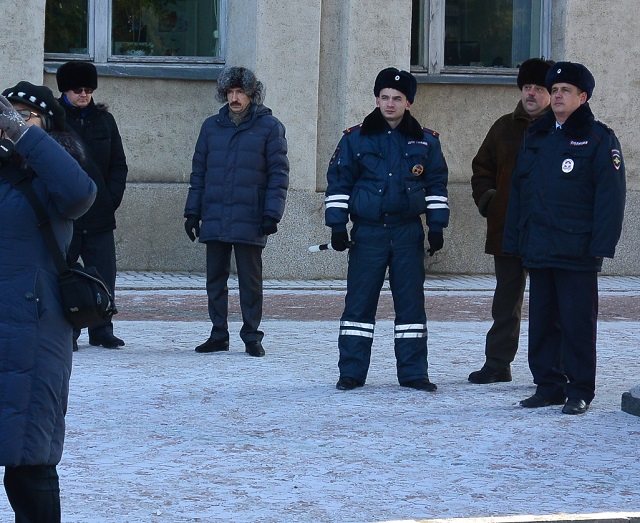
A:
[(318, 60)]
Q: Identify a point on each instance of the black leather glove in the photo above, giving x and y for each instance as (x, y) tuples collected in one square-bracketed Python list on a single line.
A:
[(10, 121), (340, 241), (436, 242), (485, 200), (192, 226), (269, 226)]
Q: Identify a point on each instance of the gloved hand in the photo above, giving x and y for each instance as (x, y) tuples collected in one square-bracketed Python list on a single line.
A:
[(192, 226), (436, 241), (485, 200), (10, 121), (269, 226), (340, 240)]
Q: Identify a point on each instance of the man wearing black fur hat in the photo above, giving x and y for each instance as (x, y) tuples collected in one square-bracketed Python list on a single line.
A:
[(383, 176), (237, 192), (564, 216), (492, 167), (93, 237)]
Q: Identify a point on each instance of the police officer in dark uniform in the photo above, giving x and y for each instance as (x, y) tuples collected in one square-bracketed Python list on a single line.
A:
[(384, 174), (565, 214)]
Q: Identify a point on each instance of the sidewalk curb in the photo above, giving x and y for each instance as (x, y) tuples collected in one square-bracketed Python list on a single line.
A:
[(605, 517)]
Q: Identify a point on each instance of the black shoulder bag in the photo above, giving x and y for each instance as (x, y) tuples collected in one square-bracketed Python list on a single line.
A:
[(86, 300)]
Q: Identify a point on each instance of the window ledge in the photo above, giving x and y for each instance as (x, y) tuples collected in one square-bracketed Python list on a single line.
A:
[(178, 71), (466, 79)]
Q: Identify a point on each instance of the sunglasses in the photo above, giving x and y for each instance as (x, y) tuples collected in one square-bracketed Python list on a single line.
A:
[(81, 90)]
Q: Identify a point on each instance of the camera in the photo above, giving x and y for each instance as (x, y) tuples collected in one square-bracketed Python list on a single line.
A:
[(7, 150)]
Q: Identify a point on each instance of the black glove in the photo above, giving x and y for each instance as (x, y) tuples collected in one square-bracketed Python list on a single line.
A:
[(436, 241), (485, 200), (192, 226), (340, 241), (10, 121), (269, 226)]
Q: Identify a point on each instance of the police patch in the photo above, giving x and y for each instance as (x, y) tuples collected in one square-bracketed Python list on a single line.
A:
[(417, 169), (567, 165), (334, 156), (616, 158)]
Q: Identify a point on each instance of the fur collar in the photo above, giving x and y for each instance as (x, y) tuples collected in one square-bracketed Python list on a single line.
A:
[(375, 123)]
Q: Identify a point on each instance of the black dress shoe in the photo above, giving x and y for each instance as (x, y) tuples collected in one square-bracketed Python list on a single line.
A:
[(575, 406), (254, 348), (538, 400), (213, 346), (348, 384), (106, 340), (490, 375), (421, 384)]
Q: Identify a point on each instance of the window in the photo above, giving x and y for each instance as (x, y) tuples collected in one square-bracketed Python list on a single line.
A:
[(135, 30), (478, 36)]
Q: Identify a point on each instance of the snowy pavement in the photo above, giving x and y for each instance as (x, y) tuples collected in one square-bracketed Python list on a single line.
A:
[(159, 433)]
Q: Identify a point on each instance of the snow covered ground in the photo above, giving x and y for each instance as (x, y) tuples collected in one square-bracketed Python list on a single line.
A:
[(159, 433)]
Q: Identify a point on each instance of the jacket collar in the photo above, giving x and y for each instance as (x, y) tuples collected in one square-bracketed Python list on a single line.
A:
[(375, 123), (577, 124), (521, 113)]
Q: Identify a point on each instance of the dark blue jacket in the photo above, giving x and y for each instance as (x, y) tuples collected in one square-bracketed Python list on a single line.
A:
[(383, 175), (240, 175), (567, 195), (35, 339)]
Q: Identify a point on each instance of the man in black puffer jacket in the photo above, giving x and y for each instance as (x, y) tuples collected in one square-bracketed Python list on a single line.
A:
[(93, 238), (236, 198)]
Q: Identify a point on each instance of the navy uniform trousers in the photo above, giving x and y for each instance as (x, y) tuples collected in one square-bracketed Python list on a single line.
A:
[(401, 249), (249, 266), (563, 315)]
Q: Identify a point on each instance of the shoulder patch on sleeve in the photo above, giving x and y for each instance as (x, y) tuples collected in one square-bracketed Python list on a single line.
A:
[(433, 133), (351, 129), (616, 158), (334, 156)]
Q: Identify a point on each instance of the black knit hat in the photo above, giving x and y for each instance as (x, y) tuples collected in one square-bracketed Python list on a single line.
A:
[(533, 71), (72, 75), (393, 78), (571, 73), (42, 100)]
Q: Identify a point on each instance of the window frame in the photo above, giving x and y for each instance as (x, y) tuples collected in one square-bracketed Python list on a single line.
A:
[(99, 13), (432, 40)]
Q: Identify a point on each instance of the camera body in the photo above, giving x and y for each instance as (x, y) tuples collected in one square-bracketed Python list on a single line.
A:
[(7, 151)]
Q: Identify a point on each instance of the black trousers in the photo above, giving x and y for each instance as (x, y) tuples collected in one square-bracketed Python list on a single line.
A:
[(97, 250), (34, 493), (249, 265), (563, 316), (502, 339)]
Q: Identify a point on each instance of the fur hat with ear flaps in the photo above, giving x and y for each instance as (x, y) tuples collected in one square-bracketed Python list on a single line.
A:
[(245, 79)]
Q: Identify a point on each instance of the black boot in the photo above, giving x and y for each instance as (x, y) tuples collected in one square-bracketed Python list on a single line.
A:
[(105, 339), (213, 346), (254, 348), (490, 375)]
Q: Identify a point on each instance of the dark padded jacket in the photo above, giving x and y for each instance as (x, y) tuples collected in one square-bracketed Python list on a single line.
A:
[(98, 130), (35, 338), (567, 194), (379, 175), (240, 175)]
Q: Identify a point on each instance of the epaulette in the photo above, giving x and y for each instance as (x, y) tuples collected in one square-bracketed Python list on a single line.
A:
[(433, 133), (604, 125), (351, 129)]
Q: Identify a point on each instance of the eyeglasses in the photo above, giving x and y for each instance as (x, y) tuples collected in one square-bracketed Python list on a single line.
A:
[(26, 114), (80, 90)]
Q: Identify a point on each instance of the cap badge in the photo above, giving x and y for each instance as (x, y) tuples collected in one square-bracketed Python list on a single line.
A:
[(559, 70), (397, 77)]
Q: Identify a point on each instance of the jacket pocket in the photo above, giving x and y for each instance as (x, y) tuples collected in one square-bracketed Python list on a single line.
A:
[(366, 202), (571, 238)]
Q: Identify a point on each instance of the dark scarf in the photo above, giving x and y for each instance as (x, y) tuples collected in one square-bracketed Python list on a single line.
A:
[(375, 123)]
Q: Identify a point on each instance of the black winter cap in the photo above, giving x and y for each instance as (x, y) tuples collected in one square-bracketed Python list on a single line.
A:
[(533, 71), (393, 78), (41, 98), (72, 75), (571, 73)]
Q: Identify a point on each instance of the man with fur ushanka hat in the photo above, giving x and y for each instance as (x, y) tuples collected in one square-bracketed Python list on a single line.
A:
[(383, 176), (564, 216), (490, 183), (237, 193), (93, 236)]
